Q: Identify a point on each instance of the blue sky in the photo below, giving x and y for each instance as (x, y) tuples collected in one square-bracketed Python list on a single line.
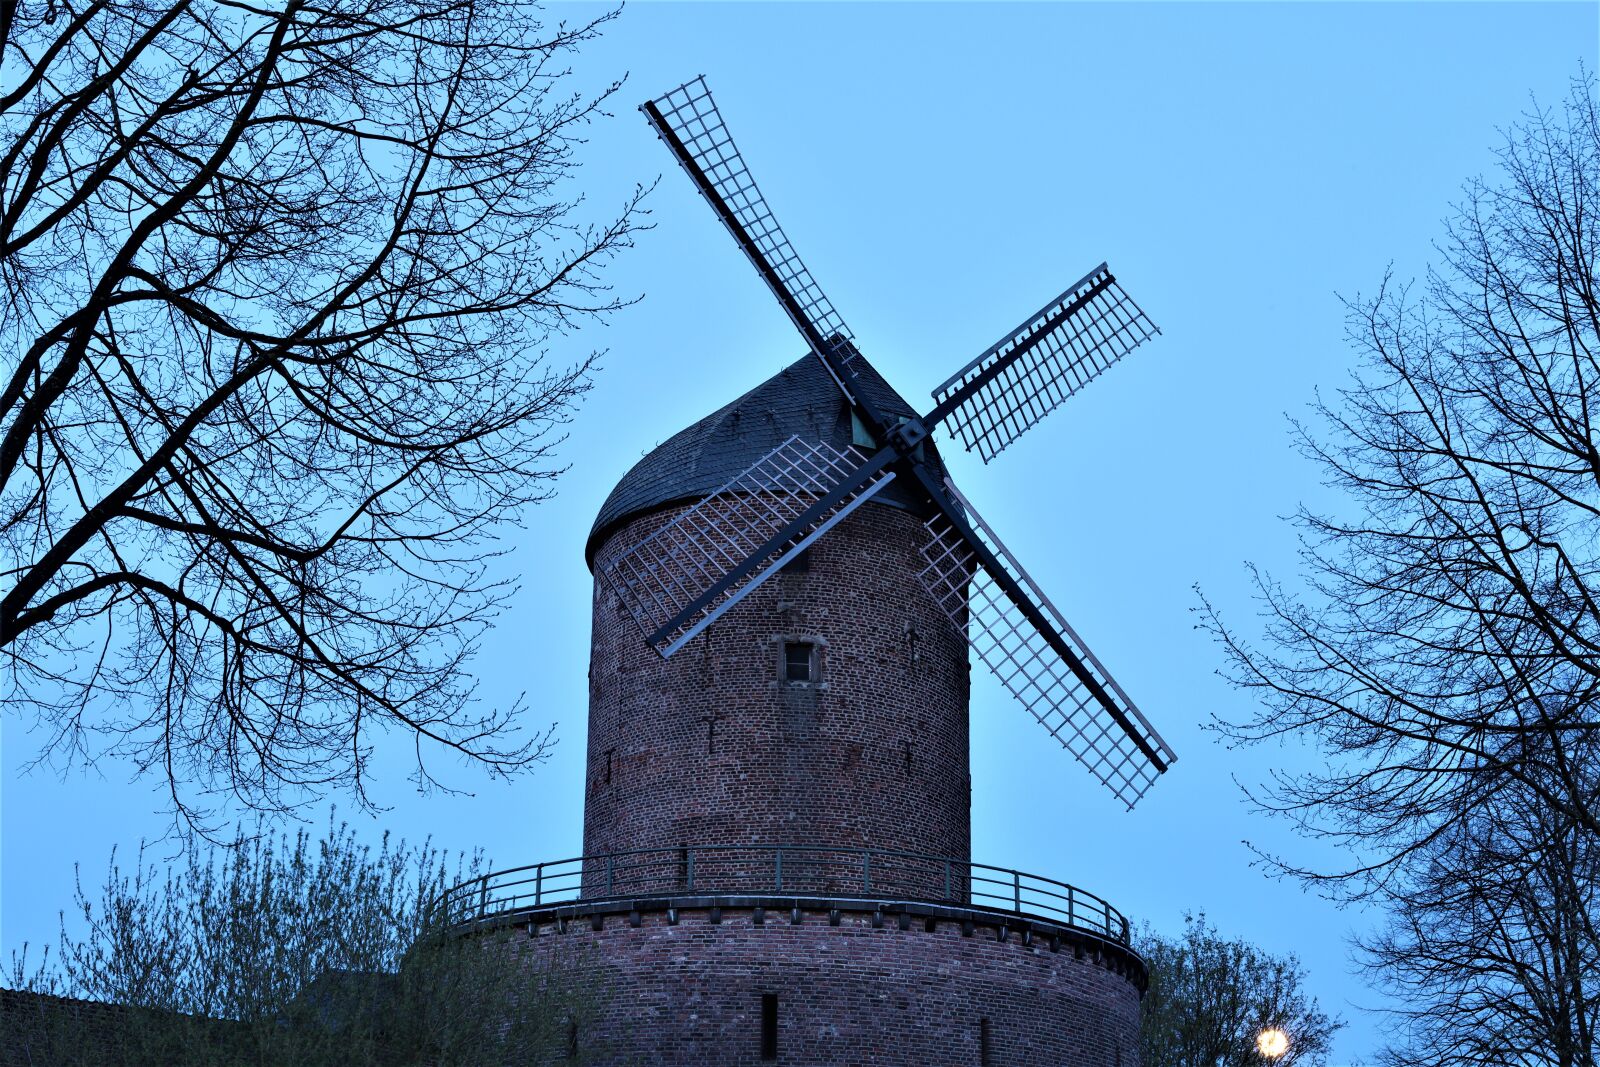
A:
[(944, 169)]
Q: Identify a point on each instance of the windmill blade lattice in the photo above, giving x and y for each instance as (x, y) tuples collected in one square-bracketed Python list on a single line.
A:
[(1102, 735), (1059, 349), (679, 579), (687, 573), (688, 120)]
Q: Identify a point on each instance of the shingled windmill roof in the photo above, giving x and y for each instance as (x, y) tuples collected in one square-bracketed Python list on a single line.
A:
[(697, 461)]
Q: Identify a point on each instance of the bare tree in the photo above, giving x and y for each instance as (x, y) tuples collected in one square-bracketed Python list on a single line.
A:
[(1446, 655), (1491, 951), (297, 951), (1210, 1000), (279, 281)]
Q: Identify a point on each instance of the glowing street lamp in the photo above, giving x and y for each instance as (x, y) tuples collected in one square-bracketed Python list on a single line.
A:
[(1272, 1043)]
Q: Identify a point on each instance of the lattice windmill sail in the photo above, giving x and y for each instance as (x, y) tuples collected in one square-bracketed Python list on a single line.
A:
[(677, 581), (1060, 348), (688, 120)]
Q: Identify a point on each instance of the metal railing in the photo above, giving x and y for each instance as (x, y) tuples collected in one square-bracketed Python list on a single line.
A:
[(790, 870)]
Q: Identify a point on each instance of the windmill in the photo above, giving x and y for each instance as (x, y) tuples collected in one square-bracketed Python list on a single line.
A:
[(681, 578)]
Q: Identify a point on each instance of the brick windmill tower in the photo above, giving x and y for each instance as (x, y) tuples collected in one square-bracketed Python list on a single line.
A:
[(777, 844)]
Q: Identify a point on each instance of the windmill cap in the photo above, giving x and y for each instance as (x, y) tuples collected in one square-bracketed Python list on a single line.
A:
[(695, 462)]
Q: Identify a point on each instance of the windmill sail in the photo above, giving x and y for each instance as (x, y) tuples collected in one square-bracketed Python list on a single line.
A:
[(679, 579), (686, 574), (1058, 350), (688, 120), (1053, 674)]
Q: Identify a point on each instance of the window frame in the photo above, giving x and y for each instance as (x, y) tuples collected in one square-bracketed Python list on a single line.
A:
[(814, 658)]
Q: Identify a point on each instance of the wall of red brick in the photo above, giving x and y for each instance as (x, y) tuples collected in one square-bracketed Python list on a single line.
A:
[(710, 747), (690, 993)]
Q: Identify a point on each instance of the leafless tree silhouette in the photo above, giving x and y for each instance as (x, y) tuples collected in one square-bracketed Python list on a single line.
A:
[(1492, 950), (278, 286), (1447, 659)]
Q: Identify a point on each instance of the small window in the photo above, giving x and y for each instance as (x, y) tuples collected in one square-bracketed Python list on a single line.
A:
[(860, 436), (984, 1050), (801, 662), (769, 1026)]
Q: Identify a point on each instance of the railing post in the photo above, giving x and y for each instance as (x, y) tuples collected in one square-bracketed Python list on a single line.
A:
[(1125, 939), (1072, 905), (611, 870), (689, 868), (483, 896), (1016, 890), (777, 870), (866, 872), (946, 880), (538, 885)]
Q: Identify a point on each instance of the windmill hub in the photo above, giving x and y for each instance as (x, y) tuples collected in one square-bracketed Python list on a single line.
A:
[(777, 862), (906, 435)]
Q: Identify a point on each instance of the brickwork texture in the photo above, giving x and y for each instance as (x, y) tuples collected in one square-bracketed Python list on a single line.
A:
[(690, 993), (713, 747)]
